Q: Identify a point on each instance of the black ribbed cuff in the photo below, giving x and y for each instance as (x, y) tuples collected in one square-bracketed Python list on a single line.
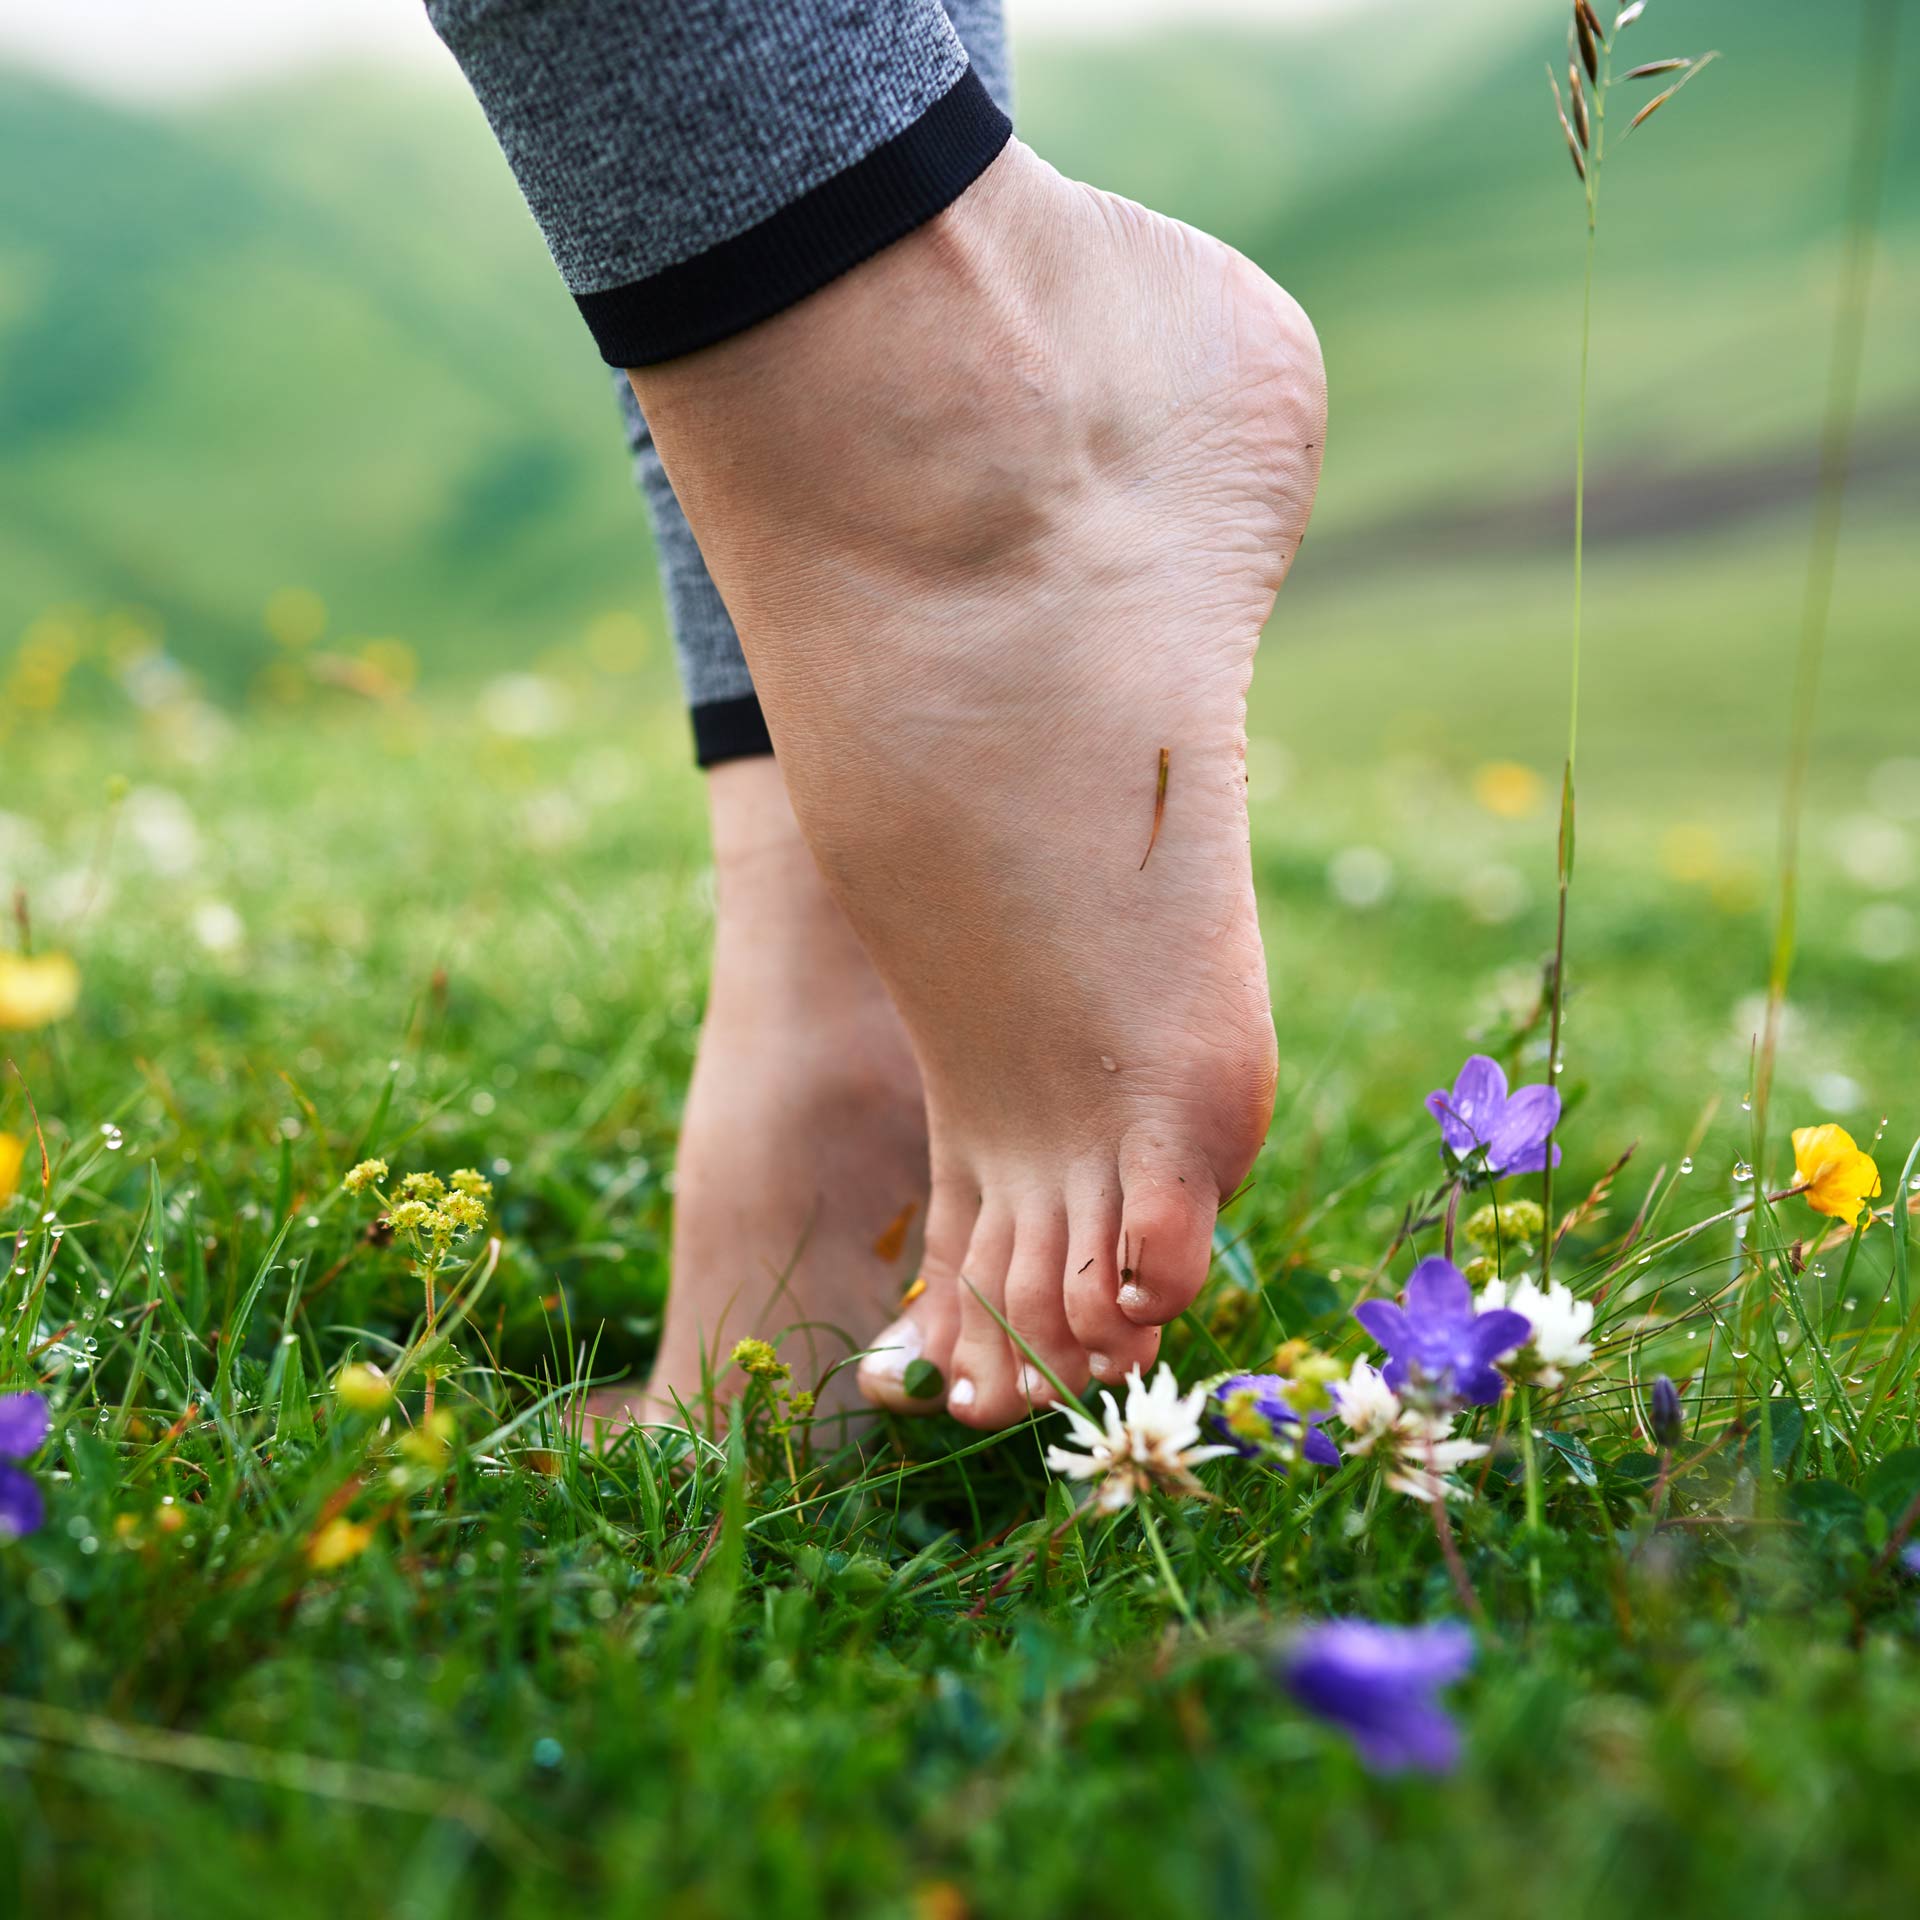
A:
[(729, 730), (900, 185)]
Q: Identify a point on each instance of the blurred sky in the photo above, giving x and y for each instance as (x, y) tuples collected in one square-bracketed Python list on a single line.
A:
[(199, 46)]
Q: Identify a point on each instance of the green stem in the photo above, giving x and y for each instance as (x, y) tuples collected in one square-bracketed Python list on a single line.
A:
[(1563, 862), (1530, 1459), (1166, 1566)]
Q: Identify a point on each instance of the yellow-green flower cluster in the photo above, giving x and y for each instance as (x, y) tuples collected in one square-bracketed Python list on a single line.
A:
[(758, 1361), (462, 1212), (426, 1205), (1509, 1227)]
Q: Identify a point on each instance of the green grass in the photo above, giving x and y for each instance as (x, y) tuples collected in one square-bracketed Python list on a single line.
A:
[(241, 352), (585, 1681)]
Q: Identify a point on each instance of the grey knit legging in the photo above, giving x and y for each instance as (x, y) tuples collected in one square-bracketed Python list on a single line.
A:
[(696, 166)]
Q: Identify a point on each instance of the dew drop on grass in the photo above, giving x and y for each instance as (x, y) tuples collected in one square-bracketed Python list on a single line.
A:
[(1686, 1163), (1818, 1270), (1742, 1172), (1746, 1103)]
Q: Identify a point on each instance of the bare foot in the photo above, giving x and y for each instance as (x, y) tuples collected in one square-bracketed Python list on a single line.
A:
[(801, 1181), (1000, 515)]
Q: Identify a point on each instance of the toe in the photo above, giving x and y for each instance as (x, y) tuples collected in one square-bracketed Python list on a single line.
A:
[(1166, 1242), (985, 1388), (1112, 1343), (1036, 1309), (926, 1328)]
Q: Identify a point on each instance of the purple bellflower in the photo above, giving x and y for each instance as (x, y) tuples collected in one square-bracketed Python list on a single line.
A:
[(1441, 1350), (24, 1421), (1249, 1411), (1490, 1130), (1377, 1684)]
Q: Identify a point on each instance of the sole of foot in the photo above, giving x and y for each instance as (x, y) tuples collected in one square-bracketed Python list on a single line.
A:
[(1001, 515)]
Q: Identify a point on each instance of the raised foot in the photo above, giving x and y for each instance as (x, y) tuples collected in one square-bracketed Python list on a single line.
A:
[(1001, 516)]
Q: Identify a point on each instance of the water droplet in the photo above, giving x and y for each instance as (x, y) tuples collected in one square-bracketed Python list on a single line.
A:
[(1742, 1172), (1691, 1334), (1851, 1305), (1686, 1164), (1818, 1271), (1746, 1103)]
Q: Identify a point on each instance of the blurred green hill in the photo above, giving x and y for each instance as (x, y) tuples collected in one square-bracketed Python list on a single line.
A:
[(309, 337)]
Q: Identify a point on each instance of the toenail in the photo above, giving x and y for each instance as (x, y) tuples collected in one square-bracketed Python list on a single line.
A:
[(961, 1394), (1100, 1363), (893, 1350), (1135, 1298), (1035, 1384)]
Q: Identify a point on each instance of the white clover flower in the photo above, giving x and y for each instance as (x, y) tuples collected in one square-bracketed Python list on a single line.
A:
[(1156, 1442), (1369, 1407), (1561, 1324), (1424, 1453), (1416, 1450)]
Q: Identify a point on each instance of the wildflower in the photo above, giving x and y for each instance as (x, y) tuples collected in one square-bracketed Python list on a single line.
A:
[(1500, 1227), (469, 1181), (410, 1215), (24, 1421), (1560, 1325), (1156, 1442), (1367, 1404), (336, 1542), (1493, 1132), (758, 1361), (13, 1150), (1425, 1455), (1377, 1684), (362, 1388), (1251, 1413), (1507, 788), (460, 1213), (1441, 1351), (37, 989), (1663, 1413), (422, 1186), (431, 1441), (367, 1174), (1835, 1176), (1910, 1559), (1309, 1373)]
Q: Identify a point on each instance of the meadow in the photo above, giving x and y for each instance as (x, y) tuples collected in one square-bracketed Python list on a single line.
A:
[(338, 751)]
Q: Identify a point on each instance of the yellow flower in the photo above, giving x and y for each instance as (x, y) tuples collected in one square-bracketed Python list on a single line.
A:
[(362, 1388), (1507, 788), (360, 1177), (13, 1150), (758, 1361), (431, 1441), (410, 1214), (37, 989), (422, 1186), (339, 1541), (461, 1213), (1836, 1177), (468, 1181)]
